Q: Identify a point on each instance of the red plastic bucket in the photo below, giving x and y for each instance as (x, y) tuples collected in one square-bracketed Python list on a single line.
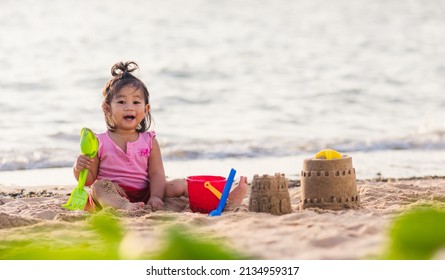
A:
[(202, 199)]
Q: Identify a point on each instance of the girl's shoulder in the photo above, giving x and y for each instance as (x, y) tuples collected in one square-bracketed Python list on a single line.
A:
[(102, 137), (147, 138), (147, 134)]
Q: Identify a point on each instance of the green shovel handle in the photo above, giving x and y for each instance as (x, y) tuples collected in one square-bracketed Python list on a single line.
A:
[(82, 178)]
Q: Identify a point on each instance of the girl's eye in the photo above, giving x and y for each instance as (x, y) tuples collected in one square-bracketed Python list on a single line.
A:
[(120, 102), (136, 102)]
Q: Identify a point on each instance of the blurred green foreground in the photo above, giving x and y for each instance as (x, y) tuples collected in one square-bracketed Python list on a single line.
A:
[(417, 234)]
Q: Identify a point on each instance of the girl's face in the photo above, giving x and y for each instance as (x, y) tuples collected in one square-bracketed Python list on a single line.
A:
[(127, 109)]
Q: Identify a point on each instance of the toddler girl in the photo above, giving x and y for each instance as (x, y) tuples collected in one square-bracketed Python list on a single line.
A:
[(128, 171)]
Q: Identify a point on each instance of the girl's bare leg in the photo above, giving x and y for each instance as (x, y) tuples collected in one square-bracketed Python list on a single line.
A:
[(109, 194), (176, 188)]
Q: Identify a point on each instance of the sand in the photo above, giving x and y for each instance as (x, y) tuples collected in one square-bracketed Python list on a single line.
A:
[(312, 234)]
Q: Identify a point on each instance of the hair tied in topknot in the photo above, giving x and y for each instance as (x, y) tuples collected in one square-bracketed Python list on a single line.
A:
[(123, 68)]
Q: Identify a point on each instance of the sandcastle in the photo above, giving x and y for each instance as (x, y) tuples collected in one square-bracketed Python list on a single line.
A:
[(329, 184), (270, 194)]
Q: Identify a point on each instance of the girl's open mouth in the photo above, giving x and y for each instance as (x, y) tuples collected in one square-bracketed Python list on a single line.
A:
[(129, 117)]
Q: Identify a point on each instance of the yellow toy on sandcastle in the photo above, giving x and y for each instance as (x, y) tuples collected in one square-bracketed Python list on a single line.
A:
[(328, 181), (328, 154)]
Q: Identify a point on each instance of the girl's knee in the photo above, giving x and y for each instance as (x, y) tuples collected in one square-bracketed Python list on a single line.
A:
[(101, 186), (107, 193)]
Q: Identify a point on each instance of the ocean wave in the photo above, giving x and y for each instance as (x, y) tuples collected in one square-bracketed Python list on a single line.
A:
[(434, 140), (202, 150), (40, 158)]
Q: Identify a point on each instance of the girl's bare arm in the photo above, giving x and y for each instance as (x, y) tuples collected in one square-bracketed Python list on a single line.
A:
[(85, 162), (156, 174)]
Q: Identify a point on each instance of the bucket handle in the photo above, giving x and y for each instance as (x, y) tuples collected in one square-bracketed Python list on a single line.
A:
[(211, 188)]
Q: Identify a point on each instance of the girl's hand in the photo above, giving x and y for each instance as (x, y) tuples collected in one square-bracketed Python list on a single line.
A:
[(83, 162), (156, 203)]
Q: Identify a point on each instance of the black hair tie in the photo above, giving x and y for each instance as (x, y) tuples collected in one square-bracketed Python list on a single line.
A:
[(124, 74)]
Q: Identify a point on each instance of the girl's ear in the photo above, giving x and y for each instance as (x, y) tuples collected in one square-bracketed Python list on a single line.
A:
[(147, 108), (106, 109)]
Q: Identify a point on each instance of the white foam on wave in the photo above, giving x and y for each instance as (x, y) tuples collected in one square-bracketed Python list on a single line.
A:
[(387, 164)]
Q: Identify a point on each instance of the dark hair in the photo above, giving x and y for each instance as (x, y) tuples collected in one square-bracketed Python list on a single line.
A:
[(122, 77)]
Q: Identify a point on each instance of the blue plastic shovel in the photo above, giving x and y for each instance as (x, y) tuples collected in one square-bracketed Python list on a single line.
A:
[(225, 194)]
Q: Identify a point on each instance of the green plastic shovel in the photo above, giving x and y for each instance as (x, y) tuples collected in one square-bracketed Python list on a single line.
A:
[(89, 146)]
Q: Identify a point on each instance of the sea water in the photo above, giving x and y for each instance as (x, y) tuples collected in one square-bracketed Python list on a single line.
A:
[(256, 85)]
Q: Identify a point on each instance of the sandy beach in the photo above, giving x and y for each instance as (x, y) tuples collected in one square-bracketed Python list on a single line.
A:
[(312, 234)]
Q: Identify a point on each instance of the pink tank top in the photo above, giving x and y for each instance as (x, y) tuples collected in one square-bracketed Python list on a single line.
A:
[(128, 169)]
